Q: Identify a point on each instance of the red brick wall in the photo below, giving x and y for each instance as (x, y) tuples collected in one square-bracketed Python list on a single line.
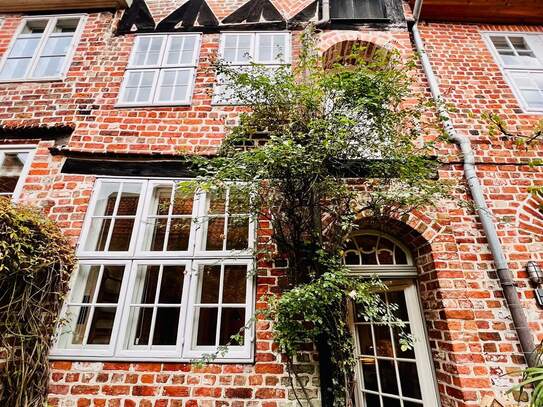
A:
[(469, 326)]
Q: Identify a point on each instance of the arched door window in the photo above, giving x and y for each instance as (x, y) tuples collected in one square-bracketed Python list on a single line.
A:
[(386, 375)]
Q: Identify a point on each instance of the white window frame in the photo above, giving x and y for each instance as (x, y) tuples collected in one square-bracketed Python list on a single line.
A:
[(184, 350), (287, 57), (507, 70), (159, 68), (22, 148), (51, 23), (406, 275)]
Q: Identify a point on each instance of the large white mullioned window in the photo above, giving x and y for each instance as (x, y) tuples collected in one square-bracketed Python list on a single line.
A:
[(521, 59), (14, 166), (163, 274), (240, 50), (387, 375), (42, 48), (161, 70)]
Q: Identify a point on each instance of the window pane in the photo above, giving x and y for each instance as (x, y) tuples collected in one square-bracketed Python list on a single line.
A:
[(238, 233), (272, 48), (110, 286), (217, 202), (534, 98), (519, 43), (147, 51), (166, 325), (371, 400), (128, 204), (234, 285), (73, 332), (157, 229), (383, 340), (85, 284), (210, 284), (97, 236), (232, 320), (15, 68), (48, 66), (390, 402), (57, 45), (107, 196), (11, 167), (178, 238), (238, 200), (215, 233), (365, 340), (161, 200), (182, 202), (143, 316), (207, 326), (24, 47), (410, 379), (66, 25), (146, 284), (171, 286), (174, 85), (369, 373), (101, 326), (138, 86), (121, 236), (500, 42), (181, 50), (387, 376)]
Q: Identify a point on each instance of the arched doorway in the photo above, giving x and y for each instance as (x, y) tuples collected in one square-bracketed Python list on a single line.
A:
[(386, 375)]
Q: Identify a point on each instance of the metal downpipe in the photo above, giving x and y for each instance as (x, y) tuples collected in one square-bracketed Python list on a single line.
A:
[(504, 274)]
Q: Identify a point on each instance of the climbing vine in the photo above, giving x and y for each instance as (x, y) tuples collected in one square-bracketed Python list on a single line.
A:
[(35, 264), (320, 146)]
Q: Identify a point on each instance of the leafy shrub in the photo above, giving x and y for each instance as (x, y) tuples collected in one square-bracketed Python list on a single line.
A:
[(36, 261)]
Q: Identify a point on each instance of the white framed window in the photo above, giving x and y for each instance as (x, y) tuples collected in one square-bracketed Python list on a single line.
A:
[(385, 374), (14, 166), (42, 49), (149, 287), (241, 50), (161, 70), (520, 57)]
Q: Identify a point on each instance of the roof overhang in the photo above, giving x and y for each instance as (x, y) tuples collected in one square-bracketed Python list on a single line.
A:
[(483, 11), (20, 6)]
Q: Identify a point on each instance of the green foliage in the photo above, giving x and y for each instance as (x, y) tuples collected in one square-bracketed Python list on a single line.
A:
[(532, 377), (35, 264), (341, 142)]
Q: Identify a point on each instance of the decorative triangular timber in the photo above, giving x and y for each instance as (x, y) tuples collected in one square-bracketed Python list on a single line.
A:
[(190, 14), (137, 15), (309, 13), (254, 11)]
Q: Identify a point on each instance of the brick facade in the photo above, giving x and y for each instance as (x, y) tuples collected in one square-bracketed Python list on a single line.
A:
[(473, 343)]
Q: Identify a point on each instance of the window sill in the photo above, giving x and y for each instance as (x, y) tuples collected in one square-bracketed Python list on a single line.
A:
[(152, 359), (147, 105), (34, 80)]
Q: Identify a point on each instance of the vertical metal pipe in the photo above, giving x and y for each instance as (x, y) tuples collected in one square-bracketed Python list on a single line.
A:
[(505, 276)]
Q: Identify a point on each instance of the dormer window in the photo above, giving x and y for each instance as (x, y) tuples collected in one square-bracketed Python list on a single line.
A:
[(357, 9)]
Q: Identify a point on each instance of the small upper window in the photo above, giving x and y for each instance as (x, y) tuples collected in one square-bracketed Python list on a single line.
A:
[(521, 57), (357, 9), (240, 50), (14, 164), (161, 70), (42, 49)]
